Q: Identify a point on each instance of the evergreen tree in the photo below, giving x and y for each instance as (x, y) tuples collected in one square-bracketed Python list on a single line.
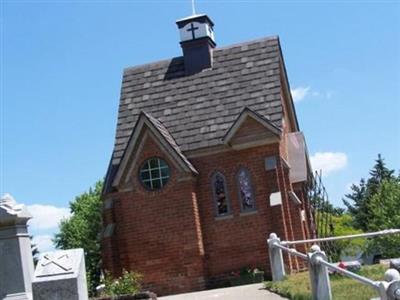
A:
[(327, 207), (378, 174), (35, 251), (357, 204), (358, 200)]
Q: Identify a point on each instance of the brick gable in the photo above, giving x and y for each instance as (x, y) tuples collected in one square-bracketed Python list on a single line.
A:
[(158, 232)]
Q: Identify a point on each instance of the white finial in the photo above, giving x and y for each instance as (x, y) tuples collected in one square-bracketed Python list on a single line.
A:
[(7, 200), (315, 248), (9, 206), (392, 274), (193, 8)]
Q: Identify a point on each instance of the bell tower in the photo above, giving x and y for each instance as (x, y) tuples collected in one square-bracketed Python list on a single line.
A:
[(197, 41)]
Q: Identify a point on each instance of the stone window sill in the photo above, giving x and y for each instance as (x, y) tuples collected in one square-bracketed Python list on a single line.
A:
[(248, 213), (224, 217)]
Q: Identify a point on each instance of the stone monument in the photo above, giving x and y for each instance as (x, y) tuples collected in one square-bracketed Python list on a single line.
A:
[(60, 275), (395, 264), (16, 263)]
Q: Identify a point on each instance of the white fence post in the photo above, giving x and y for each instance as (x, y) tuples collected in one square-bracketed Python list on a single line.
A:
[(276, 258), (390, 290), (319, 277)]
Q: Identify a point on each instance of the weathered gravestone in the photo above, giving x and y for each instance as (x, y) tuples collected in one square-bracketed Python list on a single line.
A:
[(60, 275), (16, 263), (395, 264)]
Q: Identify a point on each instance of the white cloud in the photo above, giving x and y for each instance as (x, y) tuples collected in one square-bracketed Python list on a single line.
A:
[(46, 216), (299, 93), (328, 162), (43, 243)]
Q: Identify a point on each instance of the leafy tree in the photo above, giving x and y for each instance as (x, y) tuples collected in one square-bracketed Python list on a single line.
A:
[(82, 230), (343, 225), (327, 207), (358, 200), (385, 214)]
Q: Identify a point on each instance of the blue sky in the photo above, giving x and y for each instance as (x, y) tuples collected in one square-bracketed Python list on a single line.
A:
[(62, 61)]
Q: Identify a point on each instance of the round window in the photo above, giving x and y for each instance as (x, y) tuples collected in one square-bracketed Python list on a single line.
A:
[(154, 173)]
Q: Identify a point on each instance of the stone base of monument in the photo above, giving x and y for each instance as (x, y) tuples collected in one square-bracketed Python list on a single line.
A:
[(139, 296), (19, 296), (60, 275)]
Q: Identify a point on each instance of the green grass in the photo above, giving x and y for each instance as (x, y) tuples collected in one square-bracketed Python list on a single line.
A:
[(297, 286)]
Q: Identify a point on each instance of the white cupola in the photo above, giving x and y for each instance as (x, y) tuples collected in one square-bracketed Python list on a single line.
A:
[(197, 42), (195, 27)]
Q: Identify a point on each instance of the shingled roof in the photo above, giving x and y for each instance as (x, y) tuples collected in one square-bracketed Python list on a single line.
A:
[(197, 110)]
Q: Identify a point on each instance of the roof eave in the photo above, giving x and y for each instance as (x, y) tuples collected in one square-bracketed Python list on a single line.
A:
[(287, 85)]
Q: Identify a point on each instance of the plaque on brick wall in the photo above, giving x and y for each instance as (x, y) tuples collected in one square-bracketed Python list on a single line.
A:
[(270, 163), (275, 199)]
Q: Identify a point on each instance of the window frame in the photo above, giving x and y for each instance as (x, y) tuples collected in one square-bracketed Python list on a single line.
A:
[(160, 178), (253, 196), (214, 195)]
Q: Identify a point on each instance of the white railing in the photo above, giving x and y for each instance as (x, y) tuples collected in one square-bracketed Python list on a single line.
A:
[(344, 237), (318, 265)]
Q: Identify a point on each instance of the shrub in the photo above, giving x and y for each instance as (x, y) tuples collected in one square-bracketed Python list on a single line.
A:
[(247, 276), (127, 284)]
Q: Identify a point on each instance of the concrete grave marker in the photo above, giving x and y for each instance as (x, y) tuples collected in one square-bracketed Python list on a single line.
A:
[(16, 262), (61, 275), (395, 264)]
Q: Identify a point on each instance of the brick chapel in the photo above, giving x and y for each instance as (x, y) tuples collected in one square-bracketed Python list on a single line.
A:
[(208, 161)]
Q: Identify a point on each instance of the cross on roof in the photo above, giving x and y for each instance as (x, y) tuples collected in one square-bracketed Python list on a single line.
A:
[(192, 29), (193, 8)]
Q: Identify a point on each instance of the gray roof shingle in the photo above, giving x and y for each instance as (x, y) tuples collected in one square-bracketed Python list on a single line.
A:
[(198, 109)]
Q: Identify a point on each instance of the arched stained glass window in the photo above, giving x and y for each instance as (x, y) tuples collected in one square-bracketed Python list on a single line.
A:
[(220, 194), (246, 194)]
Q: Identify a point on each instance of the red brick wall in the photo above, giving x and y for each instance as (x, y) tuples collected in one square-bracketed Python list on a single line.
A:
[(110, 245), (173, 236), (240, 241)]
